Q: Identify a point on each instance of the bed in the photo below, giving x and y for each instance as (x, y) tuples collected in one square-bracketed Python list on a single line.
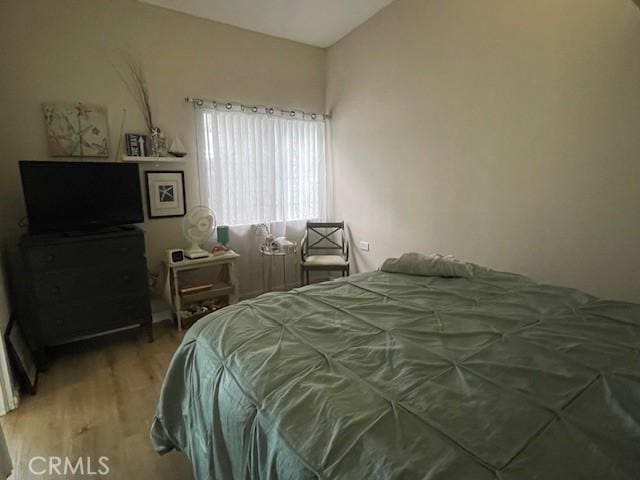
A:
[(387, 375)]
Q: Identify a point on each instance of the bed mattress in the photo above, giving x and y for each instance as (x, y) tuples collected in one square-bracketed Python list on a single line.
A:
[(383, 375)]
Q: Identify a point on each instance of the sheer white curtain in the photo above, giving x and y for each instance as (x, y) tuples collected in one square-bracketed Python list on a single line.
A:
[(257, 168)]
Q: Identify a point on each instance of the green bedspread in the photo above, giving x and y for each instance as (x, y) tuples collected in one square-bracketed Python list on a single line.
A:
[(383, 375)]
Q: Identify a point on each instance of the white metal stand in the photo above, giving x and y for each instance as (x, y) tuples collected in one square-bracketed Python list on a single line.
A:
[(270, 253)]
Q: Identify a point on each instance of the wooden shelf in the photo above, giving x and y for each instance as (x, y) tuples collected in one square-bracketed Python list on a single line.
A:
[(128, 158), (191, 319), (190, 264), (220, 282), (218, 290)]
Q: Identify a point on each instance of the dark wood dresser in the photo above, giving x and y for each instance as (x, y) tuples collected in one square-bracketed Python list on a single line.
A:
[(80, 285)]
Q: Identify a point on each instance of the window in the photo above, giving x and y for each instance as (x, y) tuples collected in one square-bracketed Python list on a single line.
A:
[(258, 168)]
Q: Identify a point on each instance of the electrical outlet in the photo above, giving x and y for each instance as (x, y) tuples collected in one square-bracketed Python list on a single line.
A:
[(364, 246)]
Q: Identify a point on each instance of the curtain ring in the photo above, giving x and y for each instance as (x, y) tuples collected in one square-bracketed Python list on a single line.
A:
[(229, 106), (313, 116), (292, 113), (254, 109), (199, 102), (270, 110)]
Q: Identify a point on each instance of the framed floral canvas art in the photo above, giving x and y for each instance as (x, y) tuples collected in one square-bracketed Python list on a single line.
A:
[(76, 130)]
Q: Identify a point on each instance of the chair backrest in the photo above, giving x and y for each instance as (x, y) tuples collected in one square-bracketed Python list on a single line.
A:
[(326, 237)]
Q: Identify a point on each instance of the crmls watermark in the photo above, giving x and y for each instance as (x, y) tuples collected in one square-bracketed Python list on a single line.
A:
[(66, 466)]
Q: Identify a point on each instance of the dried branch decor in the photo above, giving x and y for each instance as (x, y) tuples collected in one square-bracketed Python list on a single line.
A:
[(136, 83)]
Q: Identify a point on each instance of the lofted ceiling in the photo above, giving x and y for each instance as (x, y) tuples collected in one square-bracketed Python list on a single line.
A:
[(315, 22)]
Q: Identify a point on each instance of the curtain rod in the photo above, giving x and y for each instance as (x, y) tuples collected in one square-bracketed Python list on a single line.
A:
[(258, 108)]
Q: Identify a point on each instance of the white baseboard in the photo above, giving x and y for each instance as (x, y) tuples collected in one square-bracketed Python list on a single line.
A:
[(161, 316)]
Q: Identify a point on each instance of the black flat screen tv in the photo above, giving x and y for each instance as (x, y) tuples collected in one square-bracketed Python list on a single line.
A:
[(80, 196)]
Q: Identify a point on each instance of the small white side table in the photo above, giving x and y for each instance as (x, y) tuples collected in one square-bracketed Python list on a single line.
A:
[(223, 285), (271, 253)]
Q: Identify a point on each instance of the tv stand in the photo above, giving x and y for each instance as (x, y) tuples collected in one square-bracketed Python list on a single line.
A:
[(70, 287)]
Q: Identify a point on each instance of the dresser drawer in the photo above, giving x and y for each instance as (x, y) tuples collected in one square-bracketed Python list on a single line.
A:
[(87, 283), (76, 319), (83, 254)]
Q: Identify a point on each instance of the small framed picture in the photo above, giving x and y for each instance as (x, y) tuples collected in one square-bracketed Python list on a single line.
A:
[(165, 194), (21, 357), (137, 145)]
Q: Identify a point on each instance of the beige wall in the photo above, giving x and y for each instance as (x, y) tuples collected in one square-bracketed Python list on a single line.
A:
[(65, 50), (506, 132)]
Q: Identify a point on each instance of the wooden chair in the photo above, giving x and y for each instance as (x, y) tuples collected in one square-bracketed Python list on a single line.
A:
[(333, 253)]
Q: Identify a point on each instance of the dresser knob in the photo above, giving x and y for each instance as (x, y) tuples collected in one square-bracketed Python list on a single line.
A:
[(50, 257), (126, 278), (55, 290)]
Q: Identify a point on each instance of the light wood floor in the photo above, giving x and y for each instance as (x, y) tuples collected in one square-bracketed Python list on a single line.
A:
[(98, 399)]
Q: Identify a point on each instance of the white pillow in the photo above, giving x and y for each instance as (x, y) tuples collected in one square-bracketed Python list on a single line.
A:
[(434, 265)]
